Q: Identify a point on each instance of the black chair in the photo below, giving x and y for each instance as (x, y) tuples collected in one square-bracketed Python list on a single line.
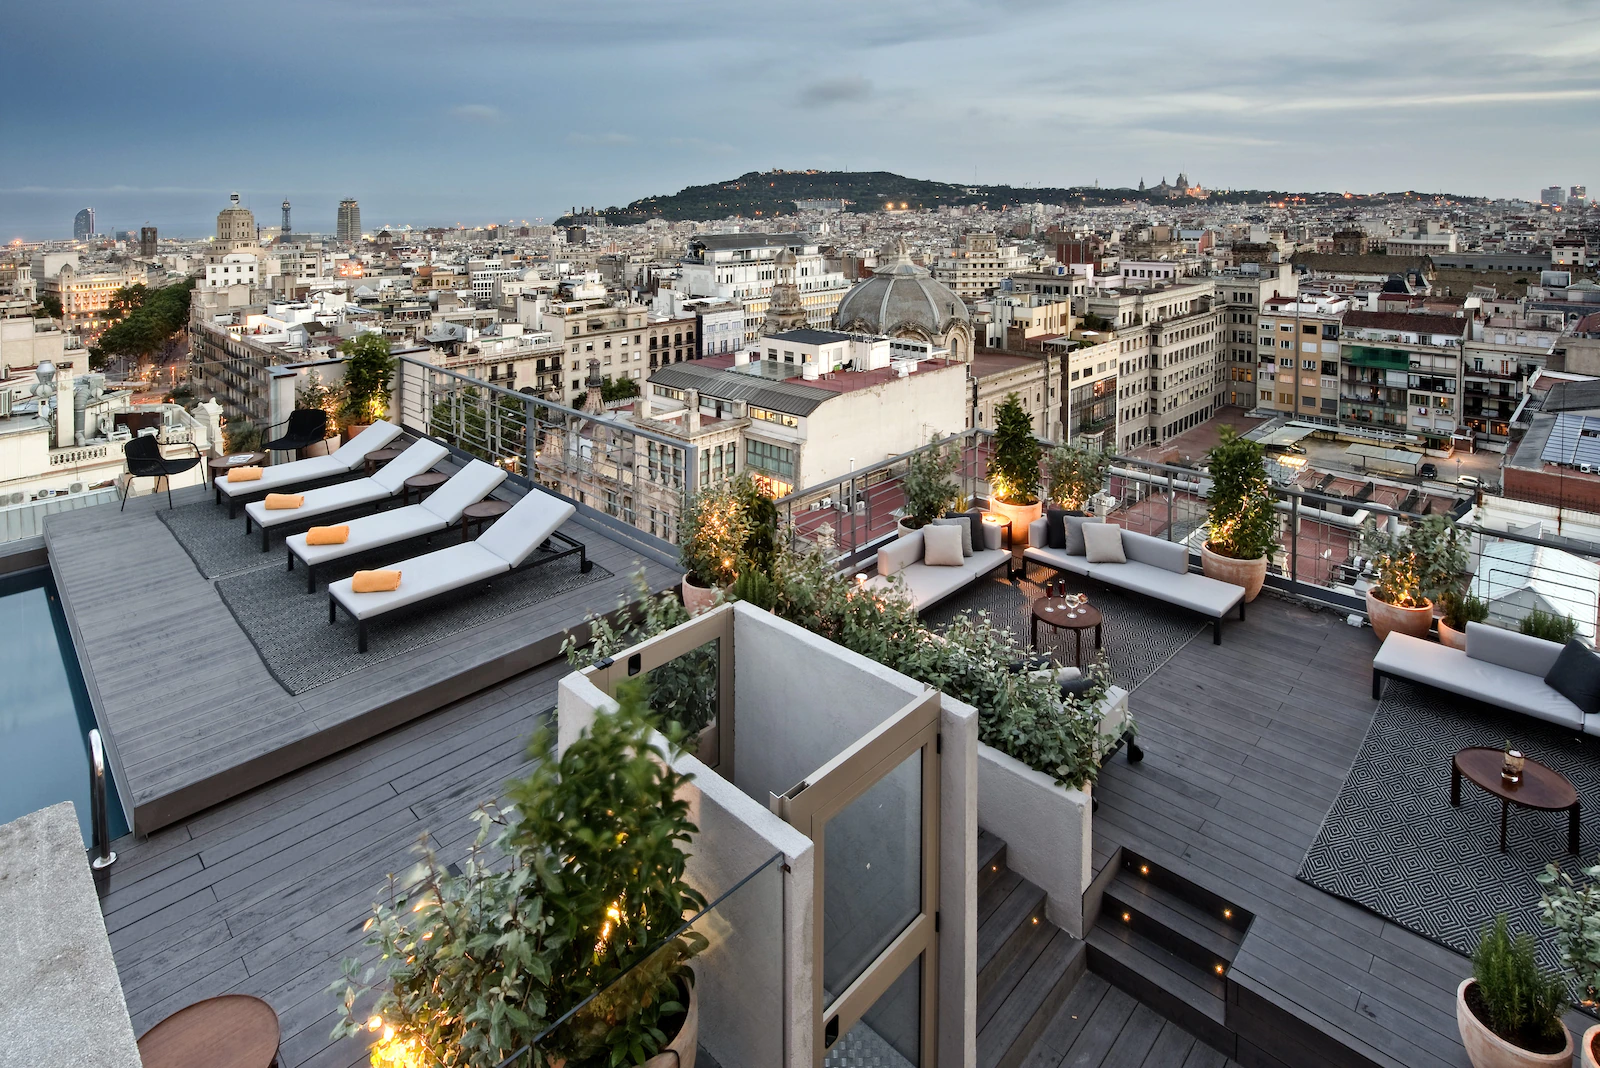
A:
[(144, 458), (304, 427)]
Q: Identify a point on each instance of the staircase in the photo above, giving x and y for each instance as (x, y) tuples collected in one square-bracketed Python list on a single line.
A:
[(1167, 942), (1026, 965)]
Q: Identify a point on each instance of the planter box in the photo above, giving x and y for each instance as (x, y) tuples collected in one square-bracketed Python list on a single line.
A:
[(1047, 828)]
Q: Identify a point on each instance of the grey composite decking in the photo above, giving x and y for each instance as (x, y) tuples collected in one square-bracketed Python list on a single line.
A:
[(1099, 1026), (191, 715)]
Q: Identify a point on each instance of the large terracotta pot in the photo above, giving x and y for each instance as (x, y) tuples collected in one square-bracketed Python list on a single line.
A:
[(1455, 639), (1589, 1036), (698, 599), (1021, 515), (355, 428), (902, 530), (680, 1052), (1387, 618), (1247, 573), (1485, 1049), (321, 448)]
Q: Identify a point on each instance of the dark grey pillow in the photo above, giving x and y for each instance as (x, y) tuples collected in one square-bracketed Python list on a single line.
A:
[(1055, 528), (1576, 676), (975, 517), (965, 527), (1074, 532), (1074, 687)]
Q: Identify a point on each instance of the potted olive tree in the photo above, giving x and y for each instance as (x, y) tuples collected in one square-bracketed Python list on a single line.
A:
[(1509, 1012), (1409, 570), (1014, 467), (1573, 909), (1077, 472), (1457, 609), (928, 486), (367, 373), (1242, 521), (711, 543)]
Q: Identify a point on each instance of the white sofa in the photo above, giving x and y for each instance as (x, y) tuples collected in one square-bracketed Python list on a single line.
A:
[(927, 583), (1156, 568), (1499, 667)]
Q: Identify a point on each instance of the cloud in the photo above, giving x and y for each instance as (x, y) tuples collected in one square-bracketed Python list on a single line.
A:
[(476, 112), (611, 138), (844, 89)]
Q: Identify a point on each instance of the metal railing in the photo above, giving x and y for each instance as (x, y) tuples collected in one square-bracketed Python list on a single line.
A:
[(104, 856), (630, 475)]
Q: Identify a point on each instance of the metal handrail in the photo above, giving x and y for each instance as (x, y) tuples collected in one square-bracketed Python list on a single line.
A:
[(97, 804)]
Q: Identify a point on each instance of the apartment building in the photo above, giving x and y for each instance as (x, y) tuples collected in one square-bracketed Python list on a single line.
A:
[(1499, 359), (86, 294), (1402, 373), (236, 225), (1241, 294), (1011, 320), (671, 340), (1052, 282), (506, 354), (593, 327), (1298, 362), (976, 268), (1091, 371), (742, 268), (1034, 378)]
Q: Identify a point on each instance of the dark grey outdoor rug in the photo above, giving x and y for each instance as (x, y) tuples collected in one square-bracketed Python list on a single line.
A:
[(293, 637), (217, 545), (1393, 844), (1139, 634)]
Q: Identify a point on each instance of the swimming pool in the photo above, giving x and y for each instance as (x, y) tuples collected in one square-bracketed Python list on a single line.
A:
[(45, 716)]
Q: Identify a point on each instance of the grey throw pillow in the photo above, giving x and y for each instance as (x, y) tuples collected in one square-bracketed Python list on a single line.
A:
[(1102, 543), (1074, 533), (961, 522), (1576, 676)]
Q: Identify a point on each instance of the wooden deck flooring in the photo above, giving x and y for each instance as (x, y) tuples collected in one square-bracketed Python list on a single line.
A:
[(191, 715)]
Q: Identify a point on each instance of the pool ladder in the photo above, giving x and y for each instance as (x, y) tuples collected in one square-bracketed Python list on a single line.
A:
[(97, 804)]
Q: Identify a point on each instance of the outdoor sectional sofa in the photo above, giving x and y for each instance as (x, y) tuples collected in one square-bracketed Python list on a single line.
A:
[(927, 583), (1155, 568), (1499, 667)]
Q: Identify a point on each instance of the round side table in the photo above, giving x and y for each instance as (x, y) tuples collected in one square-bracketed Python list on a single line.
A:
[(232, 1031), (377, 458), (221, 465), (482, 513), (422, 484)]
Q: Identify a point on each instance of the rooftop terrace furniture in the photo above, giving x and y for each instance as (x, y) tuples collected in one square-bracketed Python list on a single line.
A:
[(1499, 667), (342, 461), (927, 583), (503, 548), (1155, 567), (344, 496), (304, 427), (466, 487), (144, 459)]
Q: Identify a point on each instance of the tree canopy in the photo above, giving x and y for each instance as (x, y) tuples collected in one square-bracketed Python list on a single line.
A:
[(146, 320)]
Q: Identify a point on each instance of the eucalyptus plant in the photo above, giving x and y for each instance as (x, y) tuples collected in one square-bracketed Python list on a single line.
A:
[(712, 537), (1573, 909), (1413, 568), (1076, 472), (929, 483), (1243, 517)]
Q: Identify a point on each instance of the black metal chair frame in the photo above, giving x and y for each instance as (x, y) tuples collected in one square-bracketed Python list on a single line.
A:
[(156, 466), (298, 437)]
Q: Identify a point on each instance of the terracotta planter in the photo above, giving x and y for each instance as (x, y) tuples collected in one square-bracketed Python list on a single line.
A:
[(1387, 618), (1247, 573), (698, 599), (1020, 515), (321, 448), (1589, 1036), (1485, 1049), (354, 428), (902, 530), (680, 1052), (1455, 639)]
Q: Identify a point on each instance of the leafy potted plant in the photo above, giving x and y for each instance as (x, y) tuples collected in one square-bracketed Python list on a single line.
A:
[(1509, 1012), (1014, 468), (1574, 911), (711, 544), (1551, 626), (1243, 520), (367, 373), (928, 487), (1076, 472), (1457, 610), (328, 398), (1409, 570)]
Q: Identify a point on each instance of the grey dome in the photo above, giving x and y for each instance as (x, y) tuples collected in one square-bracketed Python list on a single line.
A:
[(898, 297)]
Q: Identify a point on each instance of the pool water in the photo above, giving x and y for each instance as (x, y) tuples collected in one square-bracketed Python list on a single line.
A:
[(45, 716)]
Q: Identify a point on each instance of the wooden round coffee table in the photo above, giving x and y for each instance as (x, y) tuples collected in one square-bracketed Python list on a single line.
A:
[(377, 458), (1539, 787), (221, 465), (480, 513), (422, 485), (232, 1031), (1053, 611)]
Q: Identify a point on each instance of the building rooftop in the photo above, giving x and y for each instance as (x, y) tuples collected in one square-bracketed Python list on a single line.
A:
[(1420, 323)]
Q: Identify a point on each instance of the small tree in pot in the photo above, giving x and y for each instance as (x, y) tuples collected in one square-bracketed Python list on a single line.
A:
[(1014, 468), (1509, 1012), (1458, 608), (929, 486), (1243, 519), (367, 373), (712, 539), (1409, 570), (1077, 472), (1573, 909)]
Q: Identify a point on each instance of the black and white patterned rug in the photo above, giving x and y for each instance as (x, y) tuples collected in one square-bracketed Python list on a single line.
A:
[(1393, 844), (217, 545), (291, 633), (1138, 636)]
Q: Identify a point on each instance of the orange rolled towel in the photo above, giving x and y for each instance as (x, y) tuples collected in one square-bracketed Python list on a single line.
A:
[(244, 474), (327, 535), (375, 581), (276, 501)]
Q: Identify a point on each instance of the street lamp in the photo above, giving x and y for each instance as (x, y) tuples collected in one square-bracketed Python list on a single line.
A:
[(1458, 472)]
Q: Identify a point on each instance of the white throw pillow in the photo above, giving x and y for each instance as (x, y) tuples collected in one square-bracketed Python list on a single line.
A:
[(1102, 543), (941, 546)]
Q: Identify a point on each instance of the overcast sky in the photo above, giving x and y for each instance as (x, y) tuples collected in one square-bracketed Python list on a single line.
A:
[(446, 111)]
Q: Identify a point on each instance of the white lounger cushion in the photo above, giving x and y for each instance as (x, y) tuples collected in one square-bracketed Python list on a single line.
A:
[(377, 436), (422, 577), (421, 456), (1451, 669), (525, 527), (468, 486), (345, 459)]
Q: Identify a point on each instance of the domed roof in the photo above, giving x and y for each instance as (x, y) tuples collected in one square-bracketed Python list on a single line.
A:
[(900, 295)]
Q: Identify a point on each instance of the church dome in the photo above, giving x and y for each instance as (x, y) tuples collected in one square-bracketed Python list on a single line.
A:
[(901, 298)]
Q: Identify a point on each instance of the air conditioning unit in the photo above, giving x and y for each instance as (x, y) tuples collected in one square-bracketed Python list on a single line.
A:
[(76, 487), (5, 403)]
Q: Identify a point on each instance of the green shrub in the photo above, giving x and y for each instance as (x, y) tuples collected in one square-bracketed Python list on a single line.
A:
[(928, 485), (1574, 911), (1014, 466), (761, 522), (1243, 518), (1076, 472), (1549, 626), (242, 435), (1518, 1001), (755, 587), (1459, 609), (712, 536), (367, 373), (1414, 567)]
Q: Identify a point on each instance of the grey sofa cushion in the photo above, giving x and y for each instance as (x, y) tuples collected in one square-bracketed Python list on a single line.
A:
[(907, 549), (1103, 543), (1074, 533), (1055, 528), (1481, 680), (966, 531), (1037, 533), (1157, 552), (941, 546), (1576, 676), (1519, 652)]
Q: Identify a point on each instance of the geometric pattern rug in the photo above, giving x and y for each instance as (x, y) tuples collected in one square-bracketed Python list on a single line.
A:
[(218, 545), (1393, 844), (1139, 634), (290, 630)]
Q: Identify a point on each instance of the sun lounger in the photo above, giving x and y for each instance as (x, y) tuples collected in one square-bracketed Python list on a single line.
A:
[(501, 549), (343, 496), (345, 459), (440, 511)]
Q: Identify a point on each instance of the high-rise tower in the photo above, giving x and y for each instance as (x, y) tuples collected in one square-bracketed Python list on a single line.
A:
[(236, 225), (286, 230), (83, 224), (349, 230)]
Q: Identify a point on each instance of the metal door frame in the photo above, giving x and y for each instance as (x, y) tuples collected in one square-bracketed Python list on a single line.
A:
[(824, 794)]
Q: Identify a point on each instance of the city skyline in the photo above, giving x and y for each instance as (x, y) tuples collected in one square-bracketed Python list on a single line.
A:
[(959, 90)]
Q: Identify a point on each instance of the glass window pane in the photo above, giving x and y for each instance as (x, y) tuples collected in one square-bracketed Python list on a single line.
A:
[(872, 874), (888, 1035)]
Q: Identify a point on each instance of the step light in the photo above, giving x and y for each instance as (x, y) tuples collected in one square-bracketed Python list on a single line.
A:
[(1127, 917), (1227, 914), (1144, 869), (1220, 968)]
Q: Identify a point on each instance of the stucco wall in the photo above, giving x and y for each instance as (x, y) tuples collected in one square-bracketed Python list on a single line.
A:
[(873, 424)]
